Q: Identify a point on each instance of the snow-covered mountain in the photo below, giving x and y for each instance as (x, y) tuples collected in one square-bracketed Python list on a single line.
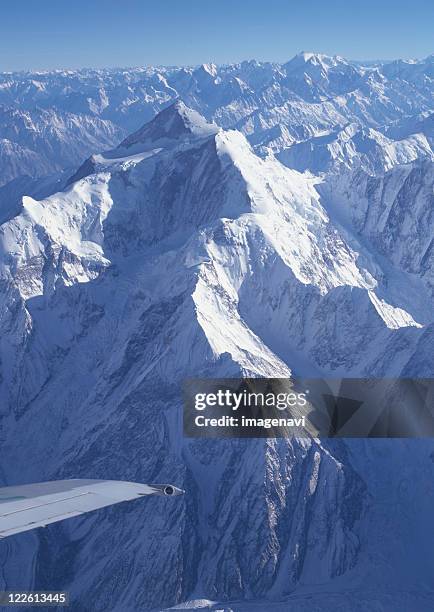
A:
[(183, 253), (355, 147)]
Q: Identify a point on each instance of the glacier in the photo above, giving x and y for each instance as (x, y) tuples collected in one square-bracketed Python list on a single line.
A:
[(254, 219)]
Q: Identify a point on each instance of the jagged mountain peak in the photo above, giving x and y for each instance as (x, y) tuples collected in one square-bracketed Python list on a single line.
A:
[(315, 76), (175, 125), (314, 59), (209, 69), (309, 56), (175, 122)]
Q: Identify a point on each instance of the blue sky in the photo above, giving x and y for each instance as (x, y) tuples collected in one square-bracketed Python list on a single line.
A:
[(37, 34)]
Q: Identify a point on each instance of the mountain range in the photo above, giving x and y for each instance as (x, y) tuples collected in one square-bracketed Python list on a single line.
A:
[(255, 219), (64, 116)]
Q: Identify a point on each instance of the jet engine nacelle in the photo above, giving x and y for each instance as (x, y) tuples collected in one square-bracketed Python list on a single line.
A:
[(167, 489)]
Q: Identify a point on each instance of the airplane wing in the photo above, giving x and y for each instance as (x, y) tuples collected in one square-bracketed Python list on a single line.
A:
[(26, 507)]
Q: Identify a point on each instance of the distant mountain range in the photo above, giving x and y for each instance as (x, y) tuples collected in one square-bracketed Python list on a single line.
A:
[(49, 120)]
